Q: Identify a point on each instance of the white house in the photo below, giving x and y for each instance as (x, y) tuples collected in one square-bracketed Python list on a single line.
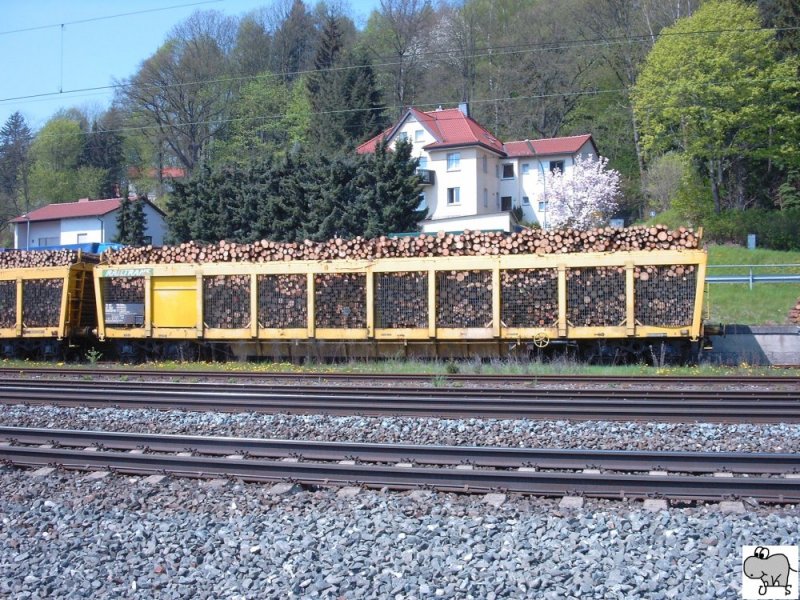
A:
[(471, 179), (82, 222)]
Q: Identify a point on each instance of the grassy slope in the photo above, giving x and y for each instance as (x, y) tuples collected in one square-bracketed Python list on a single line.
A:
[(766, 303)]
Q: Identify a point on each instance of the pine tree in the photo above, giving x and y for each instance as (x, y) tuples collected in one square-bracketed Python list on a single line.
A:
[(15, 143), (389, 188), (131, 222), (123, 221), (138, 223)]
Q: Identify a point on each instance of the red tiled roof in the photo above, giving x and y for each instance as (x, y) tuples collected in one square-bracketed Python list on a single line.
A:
[(152, 173), (450, 127), (548, 146), (71, 210)]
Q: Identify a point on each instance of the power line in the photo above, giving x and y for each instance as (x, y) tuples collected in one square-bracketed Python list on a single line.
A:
[(274, 117), (107, 17), (494, 51)]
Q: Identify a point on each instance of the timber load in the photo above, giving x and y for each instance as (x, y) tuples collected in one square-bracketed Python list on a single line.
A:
[(37, 259), (468, 243)]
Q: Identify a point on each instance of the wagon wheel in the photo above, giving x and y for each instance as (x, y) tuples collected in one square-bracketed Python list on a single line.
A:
[(541, 340)]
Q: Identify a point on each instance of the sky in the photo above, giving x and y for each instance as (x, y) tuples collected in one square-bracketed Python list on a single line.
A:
[(56, 53)]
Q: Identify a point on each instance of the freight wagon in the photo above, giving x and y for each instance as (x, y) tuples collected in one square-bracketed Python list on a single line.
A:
[(47, 311), (641, 306)]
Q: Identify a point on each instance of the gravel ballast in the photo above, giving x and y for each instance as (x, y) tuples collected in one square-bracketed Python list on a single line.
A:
[(68, 537), (608, 435)]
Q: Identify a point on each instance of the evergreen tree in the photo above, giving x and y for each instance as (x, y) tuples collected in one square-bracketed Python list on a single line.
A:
[(123, 220), (131, 222), (15, 143), (389, 188), (138, 223), (103, 149)]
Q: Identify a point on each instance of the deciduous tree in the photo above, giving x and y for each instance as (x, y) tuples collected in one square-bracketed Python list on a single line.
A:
[(585, 197)]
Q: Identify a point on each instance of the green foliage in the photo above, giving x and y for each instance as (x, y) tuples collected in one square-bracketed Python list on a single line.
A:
[(343, 94), (266, 119), (131, 223), (777, 230), (15, 164), (693, 201), (721, 98), (93, 355), (58, 174), (301, 196)]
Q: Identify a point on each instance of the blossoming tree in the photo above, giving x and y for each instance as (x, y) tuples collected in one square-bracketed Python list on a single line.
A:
[(586, 197)]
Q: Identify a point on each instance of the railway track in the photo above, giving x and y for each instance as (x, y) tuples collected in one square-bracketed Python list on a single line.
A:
[(650, 404), (232, 376), (610, 474)]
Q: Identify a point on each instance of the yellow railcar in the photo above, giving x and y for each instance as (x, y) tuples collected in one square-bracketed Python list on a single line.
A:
[(602, 303), (46, 310)]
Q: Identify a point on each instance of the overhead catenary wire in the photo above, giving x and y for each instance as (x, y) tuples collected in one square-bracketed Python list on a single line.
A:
[(107, 17), (432, 105)]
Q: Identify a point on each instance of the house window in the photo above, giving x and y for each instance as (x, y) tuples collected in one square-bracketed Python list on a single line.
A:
[(402, 136), (526, 168), (497, 171), (557, 165), (542, 206), (508, 171), (505, 203), (418, 135), (147, 240), (454, 195), (454, 161), (485, 162), (485, 198), (83, 238), (49, 241), (423, 203), (423, 162), (526, 201)]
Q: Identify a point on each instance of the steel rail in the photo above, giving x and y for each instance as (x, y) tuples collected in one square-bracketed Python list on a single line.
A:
[(403, 377), (322, 390), (606, 485), (489, 404), (488, 456)]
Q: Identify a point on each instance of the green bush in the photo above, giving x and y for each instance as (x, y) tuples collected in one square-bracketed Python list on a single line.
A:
[(778, 230)]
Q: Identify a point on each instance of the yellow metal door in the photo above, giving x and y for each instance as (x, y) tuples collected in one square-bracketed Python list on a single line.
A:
[(175, 301)]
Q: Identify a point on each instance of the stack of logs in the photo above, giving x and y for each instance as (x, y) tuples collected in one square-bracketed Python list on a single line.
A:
[(794, 314), (464, 299), (469, 243), (41, 302), (665, 295), (226, 301), (340, 300), (8, 303), (530, 297), (282, 301), (123, 290), (26, 259), (401, 300)]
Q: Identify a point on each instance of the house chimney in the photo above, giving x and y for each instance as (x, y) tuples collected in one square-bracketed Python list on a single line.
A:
[(464, 108)]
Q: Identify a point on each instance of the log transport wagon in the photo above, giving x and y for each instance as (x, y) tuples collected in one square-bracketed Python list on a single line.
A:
[(47, 307), (609, 306)]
